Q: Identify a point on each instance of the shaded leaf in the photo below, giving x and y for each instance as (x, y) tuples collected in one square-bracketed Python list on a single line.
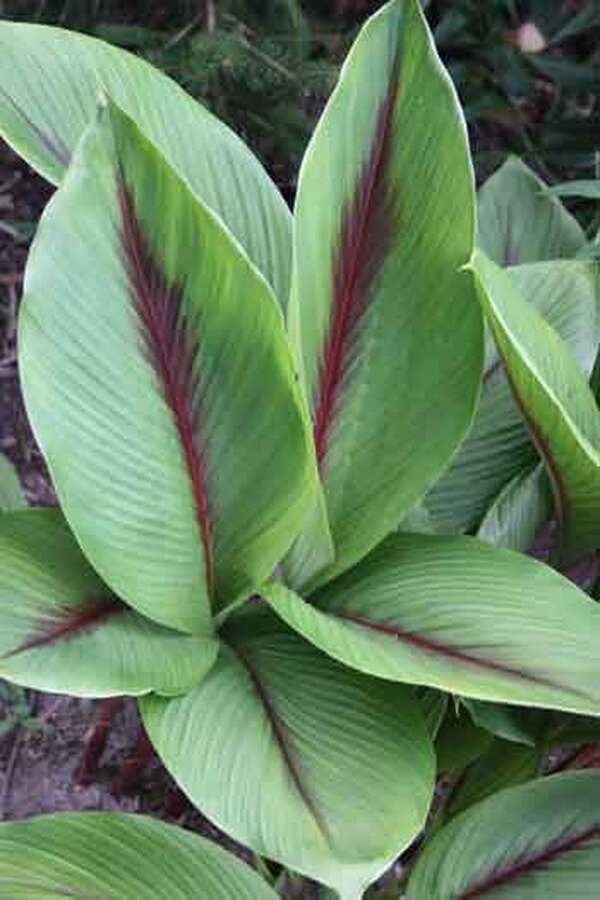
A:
[(51, 83), (11, 493), (62, 629), (322, 769), (151, 345), (516, 515)]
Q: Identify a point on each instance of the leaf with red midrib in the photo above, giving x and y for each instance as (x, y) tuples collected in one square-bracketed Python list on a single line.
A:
[(171, 348), (366, 234), (70, 622)]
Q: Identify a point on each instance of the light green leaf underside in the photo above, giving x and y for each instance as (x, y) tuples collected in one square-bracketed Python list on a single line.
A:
[(118, 857), (457, 614), (104, 414), (585, 187), (11, 493), (509, 836), (51, 81), (520, 222), (50, 638), (401, 374), (555, 401), (521, 508), (499, 448), (325, 770)]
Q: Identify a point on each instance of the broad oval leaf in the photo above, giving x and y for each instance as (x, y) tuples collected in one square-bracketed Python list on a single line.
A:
[(117, 856), (384, 220), (305, 761), (533, 842), (51, 81), (62, 629), (159, 383), (498, 447), (521, 222), (11, 493), (457, 614), (555, 401)]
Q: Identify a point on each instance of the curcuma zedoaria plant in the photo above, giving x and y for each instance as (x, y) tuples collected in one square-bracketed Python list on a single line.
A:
[(253, 424)]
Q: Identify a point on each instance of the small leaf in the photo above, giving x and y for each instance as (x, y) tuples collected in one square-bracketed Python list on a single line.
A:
[(459, 741), (307, 762), (375, 316), (556, 403), (150, 344), (535, 841), (456, 614), (521, 508), (11, 493), (115, 856), (520, 222), (62, 629), (512, 723), (588, 188)]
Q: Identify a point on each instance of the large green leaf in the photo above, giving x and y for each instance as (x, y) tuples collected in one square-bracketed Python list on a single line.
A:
[(62, 629), (533, 842), (498, 448), (307, 762), (384, 221), (520, 222), (11, 493), (159, 383), (555, 402), (50, 83), (118, 857), (457, 614)]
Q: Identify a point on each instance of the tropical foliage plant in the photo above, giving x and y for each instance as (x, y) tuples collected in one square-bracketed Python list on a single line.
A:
[(298, 476)]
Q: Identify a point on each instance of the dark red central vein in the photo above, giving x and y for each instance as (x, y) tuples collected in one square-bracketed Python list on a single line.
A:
[(51, 142), (366, 231), (530, 863), (71, 621), (171, 350), (449, 652), (278, 730)]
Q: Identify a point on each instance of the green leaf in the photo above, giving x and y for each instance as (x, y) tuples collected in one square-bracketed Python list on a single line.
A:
[(159, 383), (459, 741), (518, 512), (587, 187), (503, 765), (459, 615), (520, 222), (531, 842), (51, 81), (384, 221), (555, 400), (307, 762), (511, 723), (433, 705), (118, 857), (62, 629), (499, 447), (11, 493)]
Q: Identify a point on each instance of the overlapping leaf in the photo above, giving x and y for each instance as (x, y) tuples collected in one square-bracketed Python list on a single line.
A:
[(62, 629), (159, 383), (118, 857), (383, 322), (11, 493), (457, 614), (499, 448), (51, 81), (555, 401), (533, 842), (323, 769), (520, 222), (521, 508)]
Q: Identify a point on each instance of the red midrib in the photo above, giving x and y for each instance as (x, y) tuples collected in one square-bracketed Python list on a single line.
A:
[(169, 346), (70, 622), (347, 304), (530, 863)]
